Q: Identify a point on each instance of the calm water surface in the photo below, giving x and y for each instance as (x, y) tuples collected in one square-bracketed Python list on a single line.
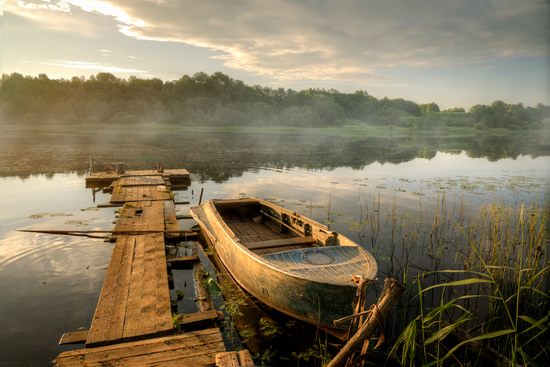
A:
[(50, 284)]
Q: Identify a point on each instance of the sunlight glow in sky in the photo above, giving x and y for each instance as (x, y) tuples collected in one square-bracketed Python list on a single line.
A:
[(456, 53)]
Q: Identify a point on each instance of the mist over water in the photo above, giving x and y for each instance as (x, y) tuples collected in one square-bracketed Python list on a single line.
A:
[(50, 284)]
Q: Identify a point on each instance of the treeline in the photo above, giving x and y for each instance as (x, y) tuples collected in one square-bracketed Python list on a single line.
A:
[(218, 100)]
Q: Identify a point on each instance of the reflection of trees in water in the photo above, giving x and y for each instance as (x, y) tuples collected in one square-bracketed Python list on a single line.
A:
[(498, 147), (219, 156)]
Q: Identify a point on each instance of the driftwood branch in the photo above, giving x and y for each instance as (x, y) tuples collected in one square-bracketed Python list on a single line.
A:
[(346, 318), (391, 292)]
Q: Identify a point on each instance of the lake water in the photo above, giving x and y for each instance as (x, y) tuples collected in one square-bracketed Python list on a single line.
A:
[(49, 284)]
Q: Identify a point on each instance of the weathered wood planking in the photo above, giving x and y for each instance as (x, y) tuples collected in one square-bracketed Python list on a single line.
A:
[(141, 216), (196, 348), (134, 300), (123, 194), (142, 181), (177, 173), (74, 337), (282, 242), (170, 220), (251, 233), (201, 316), (234, 359), (105, 178)]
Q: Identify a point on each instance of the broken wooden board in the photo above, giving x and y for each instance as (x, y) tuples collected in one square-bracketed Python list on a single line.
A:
[(234, 359), (134, 300), (74, 337), (196, 348), (196, 317)]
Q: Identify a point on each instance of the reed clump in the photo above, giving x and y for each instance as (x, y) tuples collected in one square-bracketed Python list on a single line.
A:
[(490, 306)]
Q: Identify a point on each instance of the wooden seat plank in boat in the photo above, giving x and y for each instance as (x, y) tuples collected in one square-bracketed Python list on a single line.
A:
[(134, 300), (282, 242), (248, 231)]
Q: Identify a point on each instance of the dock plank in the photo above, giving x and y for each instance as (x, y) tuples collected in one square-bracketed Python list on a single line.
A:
[(141, 180), (122, 194), (170, 219), (131, 324), (74, 337), (196, 348), (107, 295), (234, 359), (134, 300), (162, 292), (196, 317), (141, 216), (115, 326), (103, 179)]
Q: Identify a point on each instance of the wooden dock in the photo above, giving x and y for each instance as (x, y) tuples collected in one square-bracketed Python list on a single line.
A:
[(171, 176), (133, 323)]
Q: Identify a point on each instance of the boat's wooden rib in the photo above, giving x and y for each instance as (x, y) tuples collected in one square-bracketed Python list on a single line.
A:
[(280, 257)]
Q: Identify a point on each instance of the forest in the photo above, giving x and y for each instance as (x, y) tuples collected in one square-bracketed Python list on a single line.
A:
[(219, 100)]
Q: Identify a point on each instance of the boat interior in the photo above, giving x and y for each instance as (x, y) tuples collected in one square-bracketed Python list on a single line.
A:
[(264, 230)]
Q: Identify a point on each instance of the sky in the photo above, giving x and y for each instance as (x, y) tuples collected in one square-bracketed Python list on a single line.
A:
[(456, 53)]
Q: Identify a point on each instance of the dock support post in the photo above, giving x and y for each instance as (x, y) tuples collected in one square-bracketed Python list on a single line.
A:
[(119, 168), (200, 198), (92, 168)]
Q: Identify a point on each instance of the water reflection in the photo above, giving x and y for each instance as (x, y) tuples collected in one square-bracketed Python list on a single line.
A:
[(220, 156)]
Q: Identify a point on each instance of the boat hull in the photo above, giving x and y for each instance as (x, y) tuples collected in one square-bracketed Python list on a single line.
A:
[(318, 303)]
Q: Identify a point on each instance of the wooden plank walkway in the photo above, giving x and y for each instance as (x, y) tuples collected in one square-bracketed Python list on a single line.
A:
[(196, 348), (133, 315), (134, 300)]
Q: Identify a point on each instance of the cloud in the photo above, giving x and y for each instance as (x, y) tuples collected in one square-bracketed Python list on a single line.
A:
[(84, 65), (335, 40)]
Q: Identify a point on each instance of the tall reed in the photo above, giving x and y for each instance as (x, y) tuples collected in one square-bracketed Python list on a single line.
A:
[(492, 305)]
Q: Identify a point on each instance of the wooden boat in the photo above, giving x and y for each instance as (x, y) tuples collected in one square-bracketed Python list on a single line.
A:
[(286, 260)]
